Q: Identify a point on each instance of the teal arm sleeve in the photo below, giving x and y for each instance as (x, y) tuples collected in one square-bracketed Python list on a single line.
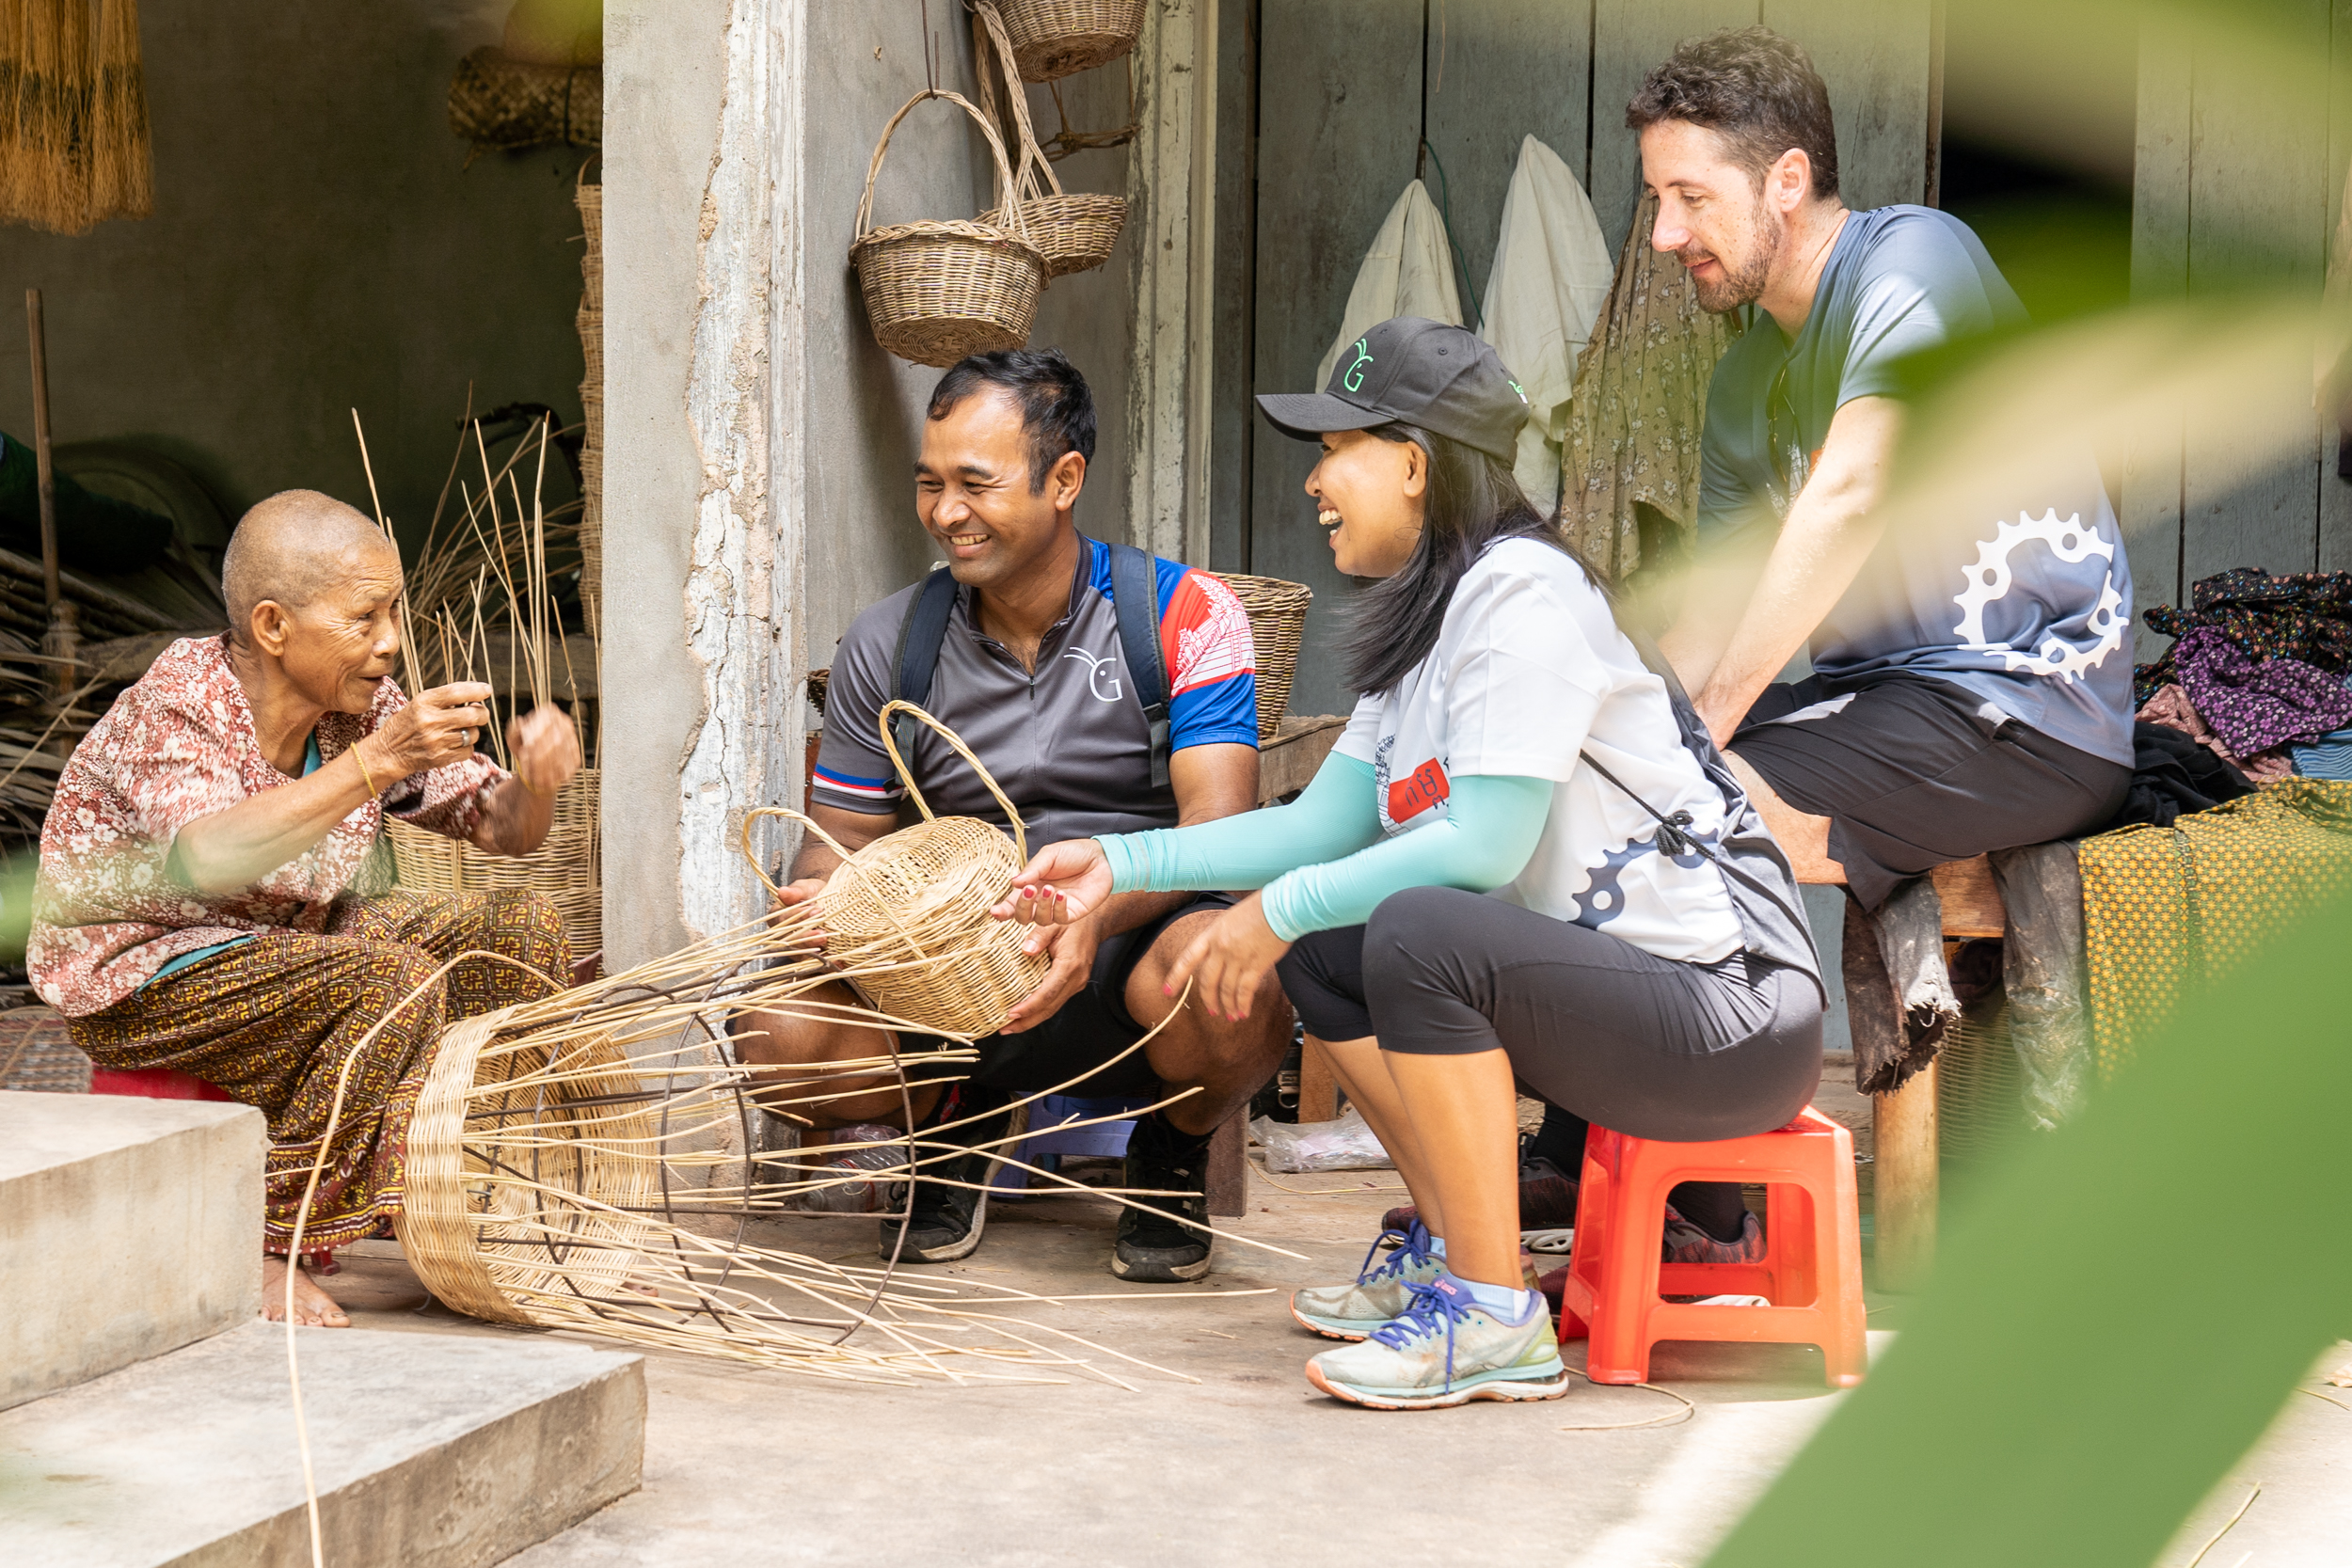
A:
[(1333, 816), (1489, 830)]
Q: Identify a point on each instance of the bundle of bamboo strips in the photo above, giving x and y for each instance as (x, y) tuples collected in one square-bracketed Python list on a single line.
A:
[(75, 146)]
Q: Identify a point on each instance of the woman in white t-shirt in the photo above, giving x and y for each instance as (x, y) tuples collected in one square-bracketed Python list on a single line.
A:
[(1518, 866)]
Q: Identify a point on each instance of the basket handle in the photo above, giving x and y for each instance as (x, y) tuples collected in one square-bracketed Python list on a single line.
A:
[(995, 146), (890, 742), (986, 17)]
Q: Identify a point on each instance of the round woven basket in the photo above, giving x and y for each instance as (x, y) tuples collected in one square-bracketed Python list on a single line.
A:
[(569, 867), (501, 103), (916, 901), (489, 1248), (1075, 232), (1054, 38), (1278, 622), (938, 290)]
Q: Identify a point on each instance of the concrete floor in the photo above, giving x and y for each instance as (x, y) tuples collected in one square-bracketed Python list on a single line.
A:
[(1248, 1463)]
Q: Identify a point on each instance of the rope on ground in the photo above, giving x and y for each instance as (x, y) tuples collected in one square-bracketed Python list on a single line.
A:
[(2317, 1395), (1667, 1418), (2227, 1528), (1259, 1166)]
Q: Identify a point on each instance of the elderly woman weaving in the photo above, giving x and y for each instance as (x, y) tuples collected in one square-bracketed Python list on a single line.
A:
[(206, 901)]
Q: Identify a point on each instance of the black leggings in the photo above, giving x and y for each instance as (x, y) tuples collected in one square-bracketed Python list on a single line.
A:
[(1683, 1053)]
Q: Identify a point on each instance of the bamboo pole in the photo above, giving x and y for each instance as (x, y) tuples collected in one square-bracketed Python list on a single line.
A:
[(1905, 1181), (63, 640)]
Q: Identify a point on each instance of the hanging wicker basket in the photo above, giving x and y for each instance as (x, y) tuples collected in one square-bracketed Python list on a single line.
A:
[(917, 902), (1074, 231), (939, 290), (567, 867), (1052, 38), (1278, 624)]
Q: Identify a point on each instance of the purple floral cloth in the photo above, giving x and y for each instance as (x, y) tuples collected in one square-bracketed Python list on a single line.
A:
[(2254, 707)]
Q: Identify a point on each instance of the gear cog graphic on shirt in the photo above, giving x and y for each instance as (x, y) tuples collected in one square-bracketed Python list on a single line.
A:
[(1990, 579)]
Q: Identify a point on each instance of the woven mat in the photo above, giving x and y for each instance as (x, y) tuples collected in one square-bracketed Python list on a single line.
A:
[(36, 1053)]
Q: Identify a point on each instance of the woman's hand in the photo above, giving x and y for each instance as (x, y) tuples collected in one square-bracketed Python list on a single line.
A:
[(1230, 959), (1063, 883), (434, 729), (545, 750)]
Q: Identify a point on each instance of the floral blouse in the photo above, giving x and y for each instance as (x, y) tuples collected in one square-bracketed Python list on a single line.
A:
[(178, 746)]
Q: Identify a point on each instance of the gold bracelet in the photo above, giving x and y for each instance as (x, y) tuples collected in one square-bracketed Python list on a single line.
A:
[(374, 793)]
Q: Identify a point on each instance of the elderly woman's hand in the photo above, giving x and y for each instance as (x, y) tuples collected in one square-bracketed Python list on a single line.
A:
[(544, 749), (434, 729)]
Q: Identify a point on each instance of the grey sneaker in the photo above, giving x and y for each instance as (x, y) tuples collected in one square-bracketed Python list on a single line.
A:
[(1445, 1350), (1379, 1294)]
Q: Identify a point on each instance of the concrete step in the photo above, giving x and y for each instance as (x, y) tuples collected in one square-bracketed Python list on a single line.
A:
[(431, 1450), (128, 1228)]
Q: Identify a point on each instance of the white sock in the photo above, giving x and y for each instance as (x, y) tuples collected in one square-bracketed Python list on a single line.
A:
[(1503, 1301), (1436, 1247)]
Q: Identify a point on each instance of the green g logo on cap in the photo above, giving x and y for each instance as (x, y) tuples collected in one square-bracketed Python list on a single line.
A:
[(1354, 380), (1521, 391)]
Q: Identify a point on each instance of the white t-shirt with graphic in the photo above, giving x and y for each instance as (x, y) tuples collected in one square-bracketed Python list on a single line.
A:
[(1529, 671)]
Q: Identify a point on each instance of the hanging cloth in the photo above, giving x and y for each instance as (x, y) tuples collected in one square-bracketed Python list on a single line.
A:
[(75, 146), (1632, 430), (1408, 272), (1549, 279)]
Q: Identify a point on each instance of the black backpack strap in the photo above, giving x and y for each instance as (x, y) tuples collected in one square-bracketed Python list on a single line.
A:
[(1135, 595), (920, 635)]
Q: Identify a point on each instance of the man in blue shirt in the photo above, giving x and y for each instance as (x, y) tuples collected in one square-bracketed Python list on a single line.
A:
[(1972, 674)]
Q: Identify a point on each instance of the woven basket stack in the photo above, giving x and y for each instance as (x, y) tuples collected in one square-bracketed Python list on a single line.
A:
[(1278, 624), (569, 867), (591, 320)]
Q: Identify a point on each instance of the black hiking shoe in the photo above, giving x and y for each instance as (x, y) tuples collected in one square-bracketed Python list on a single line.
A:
[(1152, 1249), (946, 1220)]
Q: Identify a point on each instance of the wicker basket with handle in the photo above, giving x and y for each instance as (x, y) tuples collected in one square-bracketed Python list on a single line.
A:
[(1052, 38), (916, 903), (1278, 622), (1074, 231), (569, 867), (938, 290)]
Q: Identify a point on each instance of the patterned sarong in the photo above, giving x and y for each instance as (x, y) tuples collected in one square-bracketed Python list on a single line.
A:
[(2167, 911), (271, 1021)]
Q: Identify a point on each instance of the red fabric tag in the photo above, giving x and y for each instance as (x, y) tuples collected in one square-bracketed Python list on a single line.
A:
[(1409, 796)]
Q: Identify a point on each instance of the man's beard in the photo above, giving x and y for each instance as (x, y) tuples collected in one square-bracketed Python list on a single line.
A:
[(1743, 283)]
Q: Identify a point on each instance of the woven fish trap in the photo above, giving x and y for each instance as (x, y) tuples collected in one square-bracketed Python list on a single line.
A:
[(908, 912), (1052, 38), (1278, 624), (936, 291), (517, 1210), (568, 868), (1074, 230)]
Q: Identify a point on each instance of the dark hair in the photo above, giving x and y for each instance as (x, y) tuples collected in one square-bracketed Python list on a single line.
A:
[(1756, 89), (1056, 409), (1475, 502)]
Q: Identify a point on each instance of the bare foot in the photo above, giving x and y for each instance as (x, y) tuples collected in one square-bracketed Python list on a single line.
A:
[(312, 1306)]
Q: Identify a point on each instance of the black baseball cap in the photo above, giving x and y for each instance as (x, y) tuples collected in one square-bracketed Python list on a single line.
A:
[(1441, 378)]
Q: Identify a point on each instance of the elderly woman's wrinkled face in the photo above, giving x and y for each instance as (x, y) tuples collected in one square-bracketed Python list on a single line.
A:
[(340, 647)]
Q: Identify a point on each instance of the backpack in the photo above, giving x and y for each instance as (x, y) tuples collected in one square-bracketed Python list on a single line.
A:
[(1135, 598)]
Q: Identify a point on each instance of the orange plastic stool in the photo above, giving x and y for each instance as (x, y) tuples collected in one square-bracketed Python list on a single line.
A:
[(1811, 1271)]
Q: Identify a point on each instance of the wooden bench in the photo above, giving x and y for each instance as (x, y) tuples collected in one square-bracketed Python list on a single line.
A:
[(1905, 1169)]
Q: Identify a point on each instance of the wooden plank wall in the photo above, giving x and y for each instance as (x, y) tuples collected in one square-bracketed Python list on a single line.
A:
[(2238, 179), (1336, 144)]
